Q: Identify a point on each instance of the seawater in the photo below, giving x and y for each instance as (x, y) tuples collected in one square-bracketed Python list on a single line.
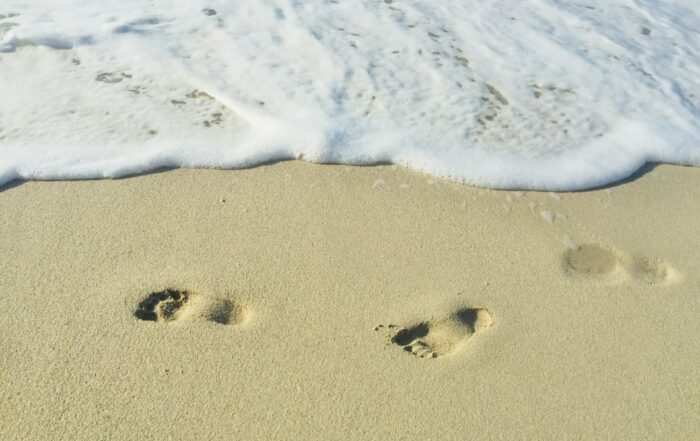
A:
[(531, 94)]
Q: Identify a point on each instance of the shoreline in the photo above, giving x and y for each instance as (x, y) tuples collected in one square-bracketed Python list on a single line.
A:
[(637, 174)]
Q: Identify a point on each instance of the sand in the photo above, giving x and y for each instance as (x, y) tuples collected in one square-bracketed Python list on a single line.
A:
[(318, 302)]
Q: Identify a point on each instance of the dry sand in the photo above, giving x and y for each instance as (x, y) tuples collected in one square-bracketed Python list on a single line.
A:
[(332, 302)]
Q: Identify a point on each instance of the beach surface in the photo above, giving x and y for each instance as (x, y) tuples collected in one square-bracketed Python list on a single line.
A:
[(321, 302)]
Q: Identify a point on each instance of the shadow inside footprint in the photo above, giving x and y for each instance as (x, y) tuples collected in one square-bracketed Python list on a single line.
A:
[(180, 305), (436, 338), (162, 305), (407, 335)]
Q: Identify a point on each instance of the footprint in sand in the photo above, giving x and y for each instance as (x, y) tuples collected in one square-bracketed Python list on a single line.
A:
[(443, 336), (591, 260), (651, 271), (171, 305), (595, 261)]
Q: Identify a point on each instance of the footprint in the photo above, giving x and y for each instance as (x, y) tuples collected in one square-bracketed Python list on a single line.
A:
[(595, 261), (172, 305), (651, 271), (437, 338), (591, 260)]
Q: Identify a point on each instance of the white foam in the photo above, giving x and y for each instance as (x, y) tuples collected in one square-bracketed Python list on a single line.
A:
[(537, 94)]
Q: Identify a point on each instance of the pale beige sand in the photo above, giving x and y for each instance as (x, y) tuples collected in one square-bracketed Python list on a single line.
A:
[(290, 270)]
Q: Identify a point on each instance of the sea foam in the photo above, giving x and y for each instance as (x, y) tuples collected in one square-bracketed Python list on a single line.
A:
[(536, 94)]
